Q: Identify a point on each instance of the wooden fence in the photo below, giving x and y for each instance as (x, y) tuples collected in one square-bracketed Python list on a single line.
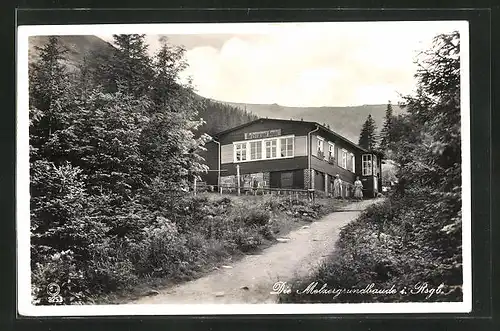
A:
[(258, 191)]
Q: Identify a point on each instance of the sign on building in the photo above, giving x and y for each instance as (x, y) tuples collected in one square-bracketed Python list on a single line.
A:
[(262, 134)]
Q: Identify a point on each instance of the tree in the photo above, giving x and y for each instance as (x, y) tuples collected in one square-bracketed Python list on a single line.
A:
[(126, 68), (386, 132), (48, 97), (430, 159), (168, 143), (168, 64), (434, 112), (367, 137), (106, 131), (108, 143)]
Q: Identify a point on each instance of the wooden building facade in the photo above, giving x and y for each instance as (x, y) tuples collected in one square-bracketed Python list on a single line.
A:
[(290, 154)]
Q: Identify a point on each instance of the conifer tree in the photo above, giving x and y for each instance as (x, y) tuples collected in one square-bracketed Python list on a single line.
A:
[(367, 137), (168, 144), (126, 68), (48, 89), (168, 64), (386, 132), (132, 66)]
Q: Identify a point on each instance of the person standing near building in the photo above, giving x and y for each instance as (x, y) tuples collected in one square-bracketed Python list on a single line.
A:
[(337, 187), (358, 189), (255, 185)]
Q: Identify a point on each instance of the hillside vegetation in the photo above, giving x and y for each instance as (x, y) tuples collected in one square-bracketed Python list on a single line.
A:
[(77, 47), (412, 241), (219, 117)]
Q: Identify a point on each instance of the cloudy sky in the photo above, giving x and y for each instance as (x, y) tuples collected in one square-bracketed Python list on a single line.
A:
[(334, 64)]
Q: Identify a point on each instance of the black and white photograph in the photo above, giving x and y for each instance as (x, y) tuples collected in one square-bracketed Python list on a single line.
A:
[(243, 168)]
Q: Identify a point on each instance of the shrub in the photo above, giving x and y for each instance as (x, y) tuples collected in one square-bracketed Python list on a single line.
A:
[(60, 268), (256, 217), (247, 239), (163, 250), (111, 271)]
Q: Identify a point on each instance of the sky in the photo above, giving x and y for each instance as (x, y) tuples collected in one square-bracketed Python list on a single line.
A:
[(304, 65)]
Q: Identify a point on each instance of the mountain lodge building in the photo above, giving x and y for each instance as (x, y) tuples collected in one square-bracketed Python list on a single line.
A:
[(290, 154)]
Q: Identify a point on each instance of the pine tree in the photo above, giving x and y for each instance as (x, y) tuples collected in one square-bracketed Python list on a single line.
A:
[(168, 143), (386, 132), (367, 137), (168, 63), (48, 95), (126, 68), (132, 66)]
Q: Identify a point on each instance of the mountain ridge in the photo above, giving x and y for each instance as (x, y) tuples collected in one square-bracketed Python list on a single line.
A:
[(345, 120)]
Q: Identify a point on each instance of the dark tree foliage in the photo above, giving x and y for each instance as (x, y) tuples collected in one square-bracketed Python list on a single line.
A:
[(219, 117), (125, 68), (435, 112), (49, 98), (168, 141), (415, 236), (427, 147), (131, 70), (367, 136), (386, 132), (168, 64), (109, 144)]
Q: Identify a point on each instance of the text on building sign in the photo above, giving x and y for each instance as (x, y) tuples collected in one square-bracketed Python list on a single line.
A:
[(263, 134)]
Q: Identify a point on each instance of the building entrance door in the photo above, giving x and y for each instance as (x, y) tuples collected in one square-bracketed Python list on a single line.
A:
[(375, 186)]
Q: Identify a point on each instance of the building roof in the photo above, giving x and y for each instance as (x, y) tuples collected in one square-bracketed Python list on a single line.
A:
[(324, 128)]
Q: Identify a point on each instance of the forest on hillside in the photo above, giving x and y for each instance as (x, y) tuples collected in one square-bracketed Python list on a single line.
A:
[(219, 116), (114, 146)]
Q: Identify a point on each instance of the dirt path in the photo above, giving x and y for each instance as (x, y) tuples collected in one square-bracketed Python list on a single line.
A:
[(251, 279)]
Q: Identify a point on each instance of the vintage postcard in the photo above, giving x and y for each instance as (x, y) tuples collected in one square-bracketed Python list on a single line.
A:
[(243, 168)]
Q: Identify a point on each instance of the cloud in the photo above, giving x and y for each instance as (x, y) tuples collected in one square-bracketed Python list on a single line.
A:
[(308, 64)]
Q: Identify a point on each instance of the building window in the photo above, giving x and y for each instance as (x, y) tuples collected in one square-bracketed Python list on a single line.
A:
[(353, 163), (331, 152), (344, 159), (367, 165), (255, 150), (286, 147), (321, 150), (261, 149), (271, 148), (240, 152)]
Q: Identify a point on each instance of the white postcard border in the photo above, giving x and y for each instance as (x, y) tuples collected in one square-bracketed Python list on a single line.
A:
[(25, 306)]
